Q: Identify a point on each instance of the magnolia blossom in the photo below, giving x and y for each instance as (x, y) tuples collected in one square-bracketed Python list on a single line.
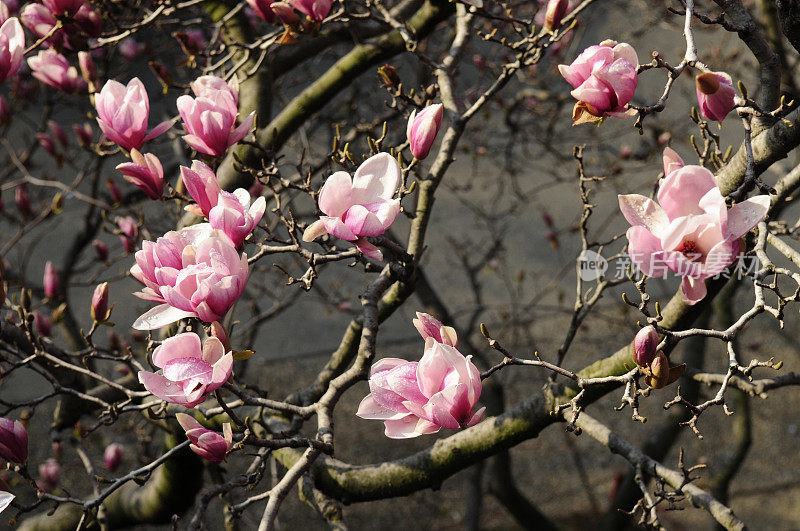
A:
[(422, 129), (52, 68), (144, 172), (123, 112), (715, 95), (360, 206), (604, 79), (189, 371), (13, 441), (192, 272), (229, 212), (419, 398), (690, 230), (316, 10), (62, 7), (41, 21), (210, 117), (12, 45), (645, 344), (206, 443), (428, 326)]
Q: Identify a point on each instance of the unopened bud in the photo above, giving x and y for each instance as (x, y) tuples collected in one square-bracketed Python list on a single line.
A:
[(556, 9), (88, 68), (644, 346), (113, 189), (99, 307), (52, 282), (112, 457), (101, 249), (389, 76)]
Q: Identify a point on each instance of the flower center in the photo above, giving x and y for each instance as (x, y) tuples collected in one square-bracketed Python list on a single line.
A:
[(690, 250)]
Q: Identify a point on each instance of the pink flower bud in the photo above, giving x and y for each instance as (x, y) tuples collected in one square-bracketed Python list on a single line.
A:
[(130, 49), (428, 326), (88, 68), (145, 172), (89, 21), (112, 457), (23, 202), (99, 307), (52, 282), (556, 9), (43, 324), (47, 143), (58, 132), (129, 236), (659, 371), (423, 128), (13, 441), (113, 189), (101, 249), (715, 94), (50, 472), (644, 345), (206, 443), (83, 133)]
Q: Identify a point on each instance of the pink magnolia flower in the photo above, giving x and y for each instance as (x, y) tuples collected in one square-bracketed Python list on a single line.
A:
[(12, 44), (422, 129), (428, 326), (285, 13), (189, 371), (129, 229), (420, 398), (40, 21), (192, 272), (52, 68), (690, 230), (63, 7), (112, 457), (13, 441), (145, 172), (361, 206), (316, 10), (210, 117), (262, 9), (604, 79), (52, 282), (206, 443), (123, 112), (229, 212), (715, 94)]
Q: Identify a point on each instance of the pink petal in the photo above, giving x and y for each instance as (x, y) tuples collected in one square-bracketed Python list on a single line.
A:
[(642, 211), (336, 194), (159, 316), (742, 217), (693, 289), (645, 251), (376, 178), (179, 346)]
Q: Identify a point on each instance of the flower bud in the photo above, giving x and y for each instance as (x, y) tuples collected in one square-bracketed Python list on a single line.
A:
[(23, 202), (47, 143), (99, 307), (52, 282), (43, 324), (83, 133), (129, 233), (428, 326), (13, 441), (58, 132), (88, 68), (50, 472), (101, 249), (423, 128), (644, 346), (715, 95), (113, 189), (389, 76), (112, 457), (556, 9)]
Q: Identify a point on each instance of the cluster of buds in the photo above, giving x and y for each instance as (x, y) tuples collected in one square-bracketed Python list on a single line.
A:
[(658, 372)]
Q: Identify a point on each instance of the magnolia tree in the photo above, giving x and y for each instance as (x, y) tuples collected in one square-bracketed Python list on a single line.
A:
[(199, 195)]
